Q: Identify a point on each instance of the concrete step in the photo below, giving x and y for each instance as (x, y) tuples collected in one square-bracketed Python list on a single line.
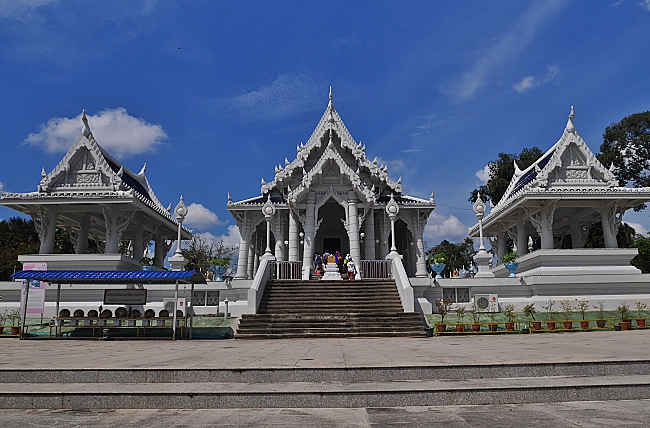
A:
[(321, 394)]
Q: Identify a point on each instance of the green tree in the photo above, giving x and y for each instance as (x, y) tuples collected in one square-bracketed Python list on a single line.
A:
[(642, 260), (625, 237), (203, 247), (626, 144), (17, 236), (501, 172), (460, 255)]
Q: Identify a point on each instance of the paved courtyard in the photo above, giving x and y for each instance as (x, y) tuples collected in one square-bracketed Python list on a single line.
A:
[(550, 347)]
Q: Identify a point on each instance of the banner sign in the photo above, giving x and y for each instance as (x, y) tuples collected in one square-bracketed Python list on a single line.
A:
[(36, 298), (125, 297)]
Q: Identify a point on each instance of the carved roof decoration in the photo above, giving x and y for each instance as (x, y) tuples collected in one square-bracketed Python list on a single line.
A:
[(330, 123), (569, 169), (88, 171)]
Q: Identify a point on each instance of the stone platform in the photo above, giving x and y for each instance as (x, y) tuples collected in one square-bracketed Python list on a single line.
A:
[(325, 373)]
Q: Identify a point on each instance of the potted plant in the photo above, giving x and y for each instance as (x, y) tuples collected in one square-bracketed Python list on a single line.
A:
[(511, 314), (15, 318), (443, 305), (600, 307), (220, 266), (567, 309), (530, 311), (582, 306), (3, 319), (640, 307), (624, 309), (148, 263), (492, 326), (460, 314), (549, 308), (476, 316), (510, 263), (438, 262)]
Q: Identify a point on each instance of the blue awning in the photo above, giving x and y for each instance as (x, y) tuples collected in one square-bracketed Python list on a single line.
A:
[(111, 276)]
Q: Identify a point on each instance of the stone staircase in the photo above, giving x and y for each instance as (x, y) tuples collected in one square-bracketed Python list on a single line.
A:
[(315, 309)]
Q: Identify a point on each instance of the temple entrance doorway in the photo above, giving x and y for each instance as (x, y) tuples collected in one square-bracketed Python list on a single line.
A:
[(331, 235)]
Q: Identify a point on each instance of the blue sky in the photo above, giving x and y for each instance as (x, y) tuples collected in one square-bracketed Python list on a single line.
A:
[(211, 95)]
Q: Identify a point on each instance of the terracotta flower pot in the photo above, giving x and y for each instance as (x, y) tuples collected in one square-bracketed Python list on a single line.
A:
[(492, 327), (537, 325), (625, 325), (460, 327), (601, 323), (568, 325), (550, 325), (441, 327), (15, 329), (476, 327), (510, 326), (640, 322), (584, 325)]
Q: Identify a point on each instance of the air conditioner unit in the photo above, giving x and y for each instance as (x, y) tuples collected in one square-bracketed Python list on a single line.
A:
[(169, 305), (487, 302)]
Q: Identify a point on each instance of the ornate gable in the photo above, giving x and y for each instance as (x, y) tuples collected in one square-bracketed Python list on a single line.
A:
[(331, 157), (568, 164)]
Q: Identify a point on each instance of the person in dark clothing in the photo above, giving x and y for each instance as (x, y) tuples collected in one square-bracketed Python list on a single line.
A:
[(192, 265)]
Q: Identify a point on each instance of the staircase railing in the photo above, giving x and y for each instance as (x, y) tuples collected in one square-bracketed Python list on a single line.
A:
[(376, 269), (286, 270), (256, 291), (403, 285)]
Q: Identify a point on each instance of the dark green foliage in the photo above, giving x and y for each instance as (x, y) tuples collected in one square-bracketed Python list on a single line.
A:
[(642, 260), (501, 172), (626, 144), (459, 255), (625, 237), (203, 248), (17, 236)]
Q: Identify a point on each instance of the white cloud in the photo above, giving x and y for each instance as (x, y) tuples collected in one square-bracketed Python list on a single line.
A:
[(646, 5), (483, 174), (638, 228), (200, 217), (115, 130), (531, 81), (20, 8), (506, 48), (442, 227), (233, 237), (526, 83), (288, 94)]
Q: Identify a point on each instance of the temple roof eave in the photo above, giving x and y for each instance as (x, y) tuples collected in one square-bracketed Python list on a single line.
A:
[(632, 196)]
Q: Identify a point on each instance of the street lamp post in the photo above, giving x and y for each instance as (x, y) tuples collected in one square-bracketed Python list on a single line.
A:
[(392, 209), (482, 258)]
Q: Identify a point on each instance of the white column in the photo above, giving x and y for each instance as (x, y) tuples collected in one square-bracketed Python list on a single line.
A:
[(353, 228), (82, 239), (310, 220), (546, 232), (418, 236), (138, 244), (47, 229), (522, 240), (369, 230), (384, 229), (279, 236), (251, 256), (576, 235), (608, 233), (242, 260), (501, 244), (294, 239), (159, 249)]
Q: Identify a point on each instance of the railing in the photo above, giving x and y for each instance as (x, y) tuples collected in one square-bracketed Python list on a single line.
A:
[(286, 270), (403, 285), (376, 269), (256, 291)]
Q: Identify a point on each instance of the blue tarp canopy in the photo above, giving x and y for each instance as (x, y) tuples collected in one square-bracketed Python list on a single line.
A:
[(112, 276)]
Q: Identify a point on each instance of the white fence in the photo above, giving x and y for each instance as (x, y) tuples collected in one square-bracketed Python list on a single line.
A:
[(286, 270), (376, 269)]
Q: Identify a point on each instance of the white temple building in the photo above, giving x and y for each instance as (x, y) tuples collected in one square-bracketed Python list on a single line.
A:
[(92, 195), (331, 197)]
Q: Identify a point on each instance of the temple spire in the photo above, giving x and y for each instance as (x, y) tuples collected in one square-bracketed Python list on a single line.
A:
[(86, 129), (569, 125)]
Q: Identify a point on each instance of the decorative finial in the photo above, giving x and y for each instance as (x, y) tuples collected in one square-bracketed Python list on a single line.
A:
[(120, 173), (44, 174), (86, 129), (229, 199), (330, 94), (143, 170), (517, 170), (432, 197), (569, 124), (263, 182)]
